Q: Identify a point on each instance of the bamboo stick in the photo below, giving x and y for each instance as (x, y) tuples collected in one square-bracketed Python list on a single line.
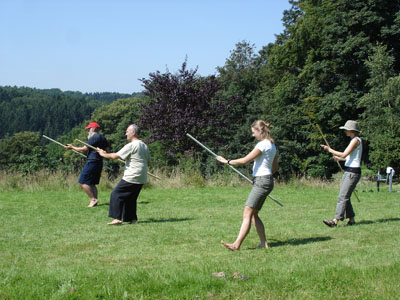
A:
[(237, 171), (120, 160), (58, 143)]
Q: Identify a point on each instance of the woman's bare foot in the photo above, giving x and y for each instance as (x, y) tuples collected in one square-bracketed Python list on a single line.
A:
[(115, 222), (229, 246), (93, 203)]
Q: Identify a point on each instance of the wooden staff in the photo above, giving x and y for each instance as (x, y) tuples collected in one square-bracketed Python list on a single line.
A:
[(326, 142), (120, 160), (215, 155), (58, 143), (340, 166), (95, 149)]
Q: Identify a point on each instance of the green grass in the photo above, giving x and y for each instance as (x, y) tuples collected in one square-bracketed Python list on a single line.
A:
[(53, 247)]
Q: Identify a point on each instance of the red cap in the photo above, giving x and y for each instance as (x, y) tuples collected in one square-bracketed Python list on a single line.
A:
[(92, 125)]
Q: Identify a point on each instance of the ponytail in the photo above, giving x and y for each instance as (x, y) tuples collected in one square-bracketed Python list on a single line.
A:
[(264, 128)]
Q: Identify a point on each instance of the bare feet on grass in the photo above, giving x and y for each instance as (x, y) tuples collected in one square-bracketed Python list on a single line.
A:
[(230, 246), (115, 222), (93, 203)]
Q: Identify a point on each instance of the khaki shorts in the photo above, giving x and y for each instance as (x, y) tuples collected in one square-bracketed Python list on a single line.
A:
[(262, 186)]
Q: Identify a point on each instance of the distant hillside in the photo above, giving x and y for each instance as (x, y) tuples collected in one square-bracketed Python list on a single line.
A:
[(105, 96), (48, 111)]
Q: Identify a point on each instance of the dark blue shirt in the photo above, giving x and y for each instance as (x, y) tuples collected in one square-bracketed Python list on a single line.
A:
[(97, 141)]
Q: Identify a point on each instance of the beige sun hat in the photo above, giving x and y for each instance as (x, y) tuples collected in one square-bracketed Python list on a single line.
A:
[(350, 125)]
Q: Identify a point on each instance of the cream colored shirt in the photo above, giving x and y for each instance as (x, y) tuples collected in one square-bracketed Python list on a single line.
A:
[(137, 157)]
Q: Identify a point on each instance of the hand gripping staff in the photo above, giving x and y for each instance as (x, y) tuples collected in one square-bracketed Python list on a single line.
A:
[(120, 160), (91, 147), (249, 180), (58, 143)]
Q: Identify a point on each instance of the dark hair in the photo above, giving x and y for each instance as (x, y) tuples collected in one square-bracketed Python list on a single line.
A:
[(264, 128)]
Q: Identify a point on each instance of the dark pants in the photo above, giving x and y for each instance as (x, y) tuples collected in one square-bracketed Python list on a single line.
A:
[(123, 201)]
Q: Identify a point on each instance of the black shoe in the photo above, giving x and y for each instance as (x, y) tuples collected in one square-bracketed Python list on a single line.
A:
[(350, 223), (330, 223)]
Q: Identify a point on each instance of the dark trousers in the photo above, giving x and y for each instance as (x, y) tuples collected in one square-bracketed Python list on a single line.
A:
[(123, 201)]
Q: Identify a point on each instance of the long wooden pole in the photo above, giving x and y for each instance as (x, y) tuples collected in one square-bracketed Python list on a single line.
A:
[(58, 143), (340, 166), (95, 149), (120, 160), (326, 142), (279, 203)]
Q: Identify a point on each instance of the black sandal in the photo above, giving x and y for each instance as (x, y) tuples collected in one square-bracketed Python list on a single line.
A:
[(350, 223), (330, 223)]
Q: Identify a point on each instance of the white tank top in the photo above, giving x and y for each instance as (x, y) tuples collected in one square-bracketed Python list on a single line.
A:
[(263, 164), (353, 160)]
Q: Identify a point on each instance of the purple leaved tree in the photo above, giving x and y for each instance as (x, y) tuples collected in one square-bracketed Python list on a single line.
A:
[(184, 103)]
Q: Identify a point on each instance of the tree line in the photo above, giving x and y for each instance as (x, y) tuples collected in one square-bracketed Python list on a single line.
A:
[(49, 111), (334, 61)]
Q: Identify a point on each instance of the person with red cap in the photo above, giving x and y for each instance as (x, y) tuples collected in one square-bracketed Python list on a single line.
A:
[(91, 172)]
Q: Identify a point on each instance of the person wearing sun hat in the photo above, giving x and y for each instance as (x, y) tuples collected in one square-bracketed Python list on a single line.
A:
[(91, 172), (352, 173)]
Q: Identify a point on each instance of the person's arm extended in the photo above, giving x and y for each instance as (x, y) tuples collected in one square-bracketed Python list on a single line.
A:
[(79, 149), (241, 161), (104, 154), (342, 155)]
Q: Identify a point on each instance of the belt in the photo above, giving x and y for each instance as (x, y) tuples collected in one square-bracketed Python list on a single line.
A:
[(353, 170)]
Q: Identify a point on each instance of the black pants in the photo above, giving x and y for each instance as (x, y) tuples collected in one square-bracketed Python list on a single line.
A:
[(123, 201)]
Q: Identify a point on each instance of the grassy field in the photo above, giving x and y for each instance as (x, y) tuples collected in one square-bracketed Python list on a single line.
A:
[(53, 247)]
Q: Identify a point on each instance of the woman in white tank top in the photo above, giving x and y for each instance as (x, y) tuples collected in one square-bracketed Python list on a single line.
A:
[(351, 176), (265, 164)]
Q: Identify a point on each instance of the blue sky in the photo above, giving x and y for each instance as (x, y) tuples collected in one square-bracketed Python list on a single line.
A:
[(99, 45)]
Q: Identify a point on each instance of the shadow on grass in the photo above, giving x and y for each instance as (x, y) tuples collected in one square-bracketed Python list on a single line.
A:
[(366, 222), (108, 203), (297, 242), (165, 220), (143, 202)]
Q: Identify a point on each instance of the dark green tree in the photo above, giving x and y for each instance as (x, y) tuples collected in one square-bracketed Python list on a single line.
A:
[(315, 72), (23, 152), (381, 116), (51, 112), (240, 80)]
